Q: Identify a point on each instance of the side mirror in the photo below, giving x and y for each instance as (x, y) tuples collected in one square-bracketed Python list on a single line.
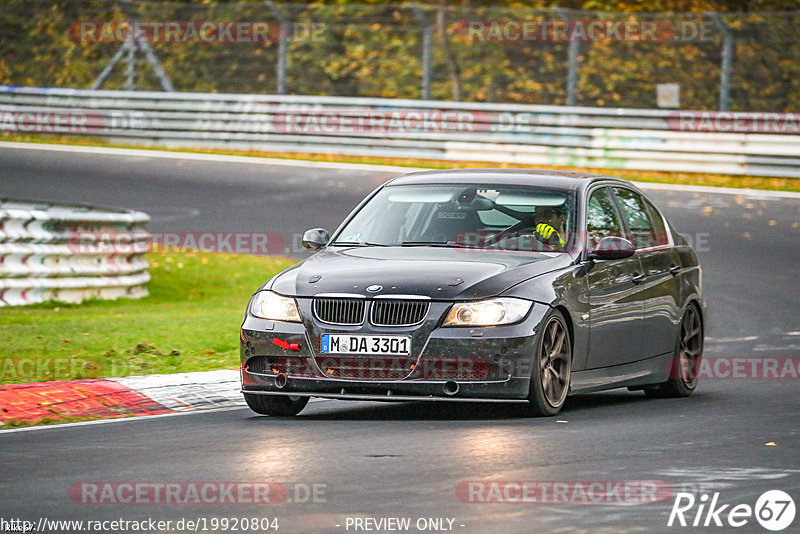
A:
[(612, 248), (315, 239)]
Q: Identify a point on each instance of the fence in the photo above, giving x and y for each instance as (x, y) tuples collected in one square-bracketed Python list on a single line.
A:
[(70, 253), (721, 61), (766, 144)]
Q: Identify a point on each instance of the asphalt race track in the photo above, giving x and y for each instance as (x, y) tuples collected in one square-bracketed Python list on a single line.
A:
[(372, 460)]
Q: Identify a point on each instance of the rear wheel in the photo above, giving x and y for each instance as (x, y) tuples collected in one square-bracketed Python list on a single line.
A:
[(275, 405), (685, 364), (552, 364)]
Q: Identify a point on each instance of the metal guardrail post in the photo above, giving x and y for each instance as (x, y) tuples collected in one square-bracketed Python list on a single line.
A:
[(283, 52), (98, 82), (572, 76), (130, 72), (144, 45), (727, 62), (427, 45), (572, 58), (155, 64), (137, 43)]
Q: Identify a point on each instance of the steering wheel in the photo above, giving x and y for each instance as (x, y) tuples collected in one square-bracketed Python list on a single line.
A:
[(492, 239)]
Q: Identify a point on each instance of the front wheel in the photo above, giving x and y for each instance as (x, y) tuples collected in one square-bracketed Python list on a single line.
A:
[(275, 405), (552, 367), (685, 363)]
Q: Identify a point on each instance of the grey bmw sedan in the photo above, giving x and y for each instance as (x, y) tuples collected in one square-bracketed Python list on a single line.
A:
[(489, 285)]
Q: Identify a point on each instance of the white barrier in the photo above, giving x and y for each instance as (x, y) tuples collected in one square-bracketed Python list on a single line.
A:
[(536, 135), (70, 253)]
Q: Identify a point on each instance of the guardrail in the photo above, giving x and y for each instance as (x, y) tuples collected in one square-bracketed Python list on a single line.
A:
[(765, 144), (70, 253)]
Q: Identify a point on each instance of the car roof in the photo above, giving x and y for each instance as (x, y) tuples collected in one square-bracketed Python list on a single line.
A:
[(541, 177)]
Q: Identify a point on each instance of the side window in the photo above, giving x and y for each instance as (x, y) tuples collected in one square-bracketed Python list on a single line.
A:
[(640, 225), (601, 218), (658, 224)]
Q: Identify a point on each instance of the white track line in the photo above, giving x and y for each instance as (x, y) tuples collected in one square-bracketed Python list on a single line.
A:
[(255, 160)]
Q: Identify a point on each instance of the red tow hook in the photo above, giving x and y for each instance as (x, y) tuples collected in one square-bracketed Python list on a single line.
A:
[(285, 344)]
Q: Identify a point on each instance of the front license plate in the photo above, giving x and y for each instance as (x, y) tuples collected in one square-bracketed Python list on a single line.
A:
[(360, 344)]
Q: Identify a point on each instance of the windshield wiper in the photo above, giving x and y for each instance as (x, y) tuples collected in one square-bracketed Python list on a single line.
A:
[(357, 244), (445, 244)]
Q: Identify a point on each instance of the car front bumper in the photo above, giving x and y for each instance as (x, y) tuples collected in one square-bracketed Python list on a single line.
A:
[(446, 364)]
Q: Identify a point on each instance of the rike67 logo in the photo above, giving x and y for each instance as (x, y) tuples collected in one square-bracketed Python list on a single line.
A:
[(774, 510)]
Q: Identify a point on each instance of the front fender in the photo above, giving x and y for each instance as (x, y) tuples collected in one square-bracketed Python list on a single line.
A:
[(566, 289)]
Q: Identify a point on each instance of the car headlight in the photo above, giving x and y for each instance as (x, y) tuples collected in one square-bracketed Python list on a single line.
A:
[(269, 305), (492, 312)]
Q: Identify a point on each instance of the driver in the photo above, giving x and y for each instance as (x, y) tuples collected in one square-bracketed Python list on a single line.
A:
[(550, 225)]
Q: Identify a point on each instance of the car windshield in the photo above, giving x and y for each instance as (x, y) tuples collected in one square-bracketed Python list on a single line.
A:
[(496, 217)]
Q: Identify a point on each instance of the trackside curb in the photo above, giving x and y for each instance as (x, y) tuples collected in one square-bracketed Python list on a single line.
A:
[(119, 397)]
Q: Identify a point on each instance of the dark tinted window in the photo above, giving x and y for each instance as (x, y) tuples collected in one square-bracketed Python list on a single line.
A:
[(601, 218)]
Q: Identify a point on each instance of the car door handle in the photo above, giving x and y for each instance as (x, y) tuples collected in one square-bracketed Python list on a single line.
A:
[(638, 277), (674, 269)]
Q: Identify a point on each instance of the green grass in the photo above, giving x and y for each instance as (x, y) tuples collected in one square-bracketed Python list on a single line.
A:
[(189, 322), (48, 421), (683, 178)]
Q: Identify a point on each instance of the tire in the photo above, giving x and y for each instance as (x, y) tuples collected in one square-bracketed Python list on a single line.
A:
[(275, 405), (685, 362), (552, 367)]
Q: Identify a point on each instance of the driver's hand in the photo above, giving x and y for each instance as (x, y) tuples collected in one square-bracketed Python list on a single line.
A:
[(548, 235)]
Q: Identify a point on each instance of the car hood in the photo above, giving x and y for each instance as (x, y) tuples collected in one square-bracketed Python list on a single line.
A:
[(439, 273)]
